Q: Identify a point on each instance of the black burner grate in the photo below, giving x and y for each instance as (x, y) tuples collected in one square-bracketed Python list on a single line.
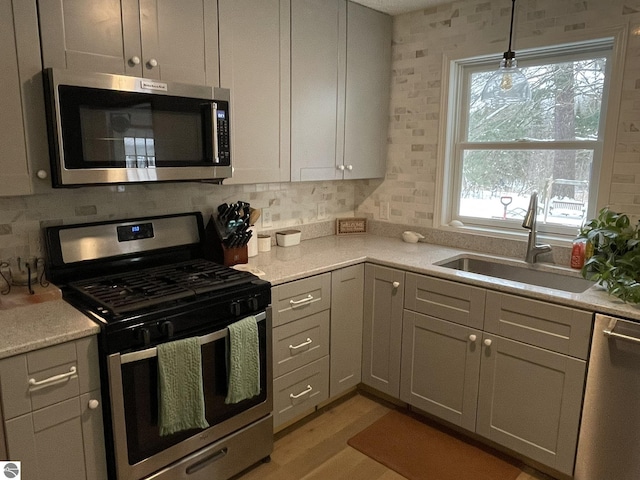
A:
[(131, 291)]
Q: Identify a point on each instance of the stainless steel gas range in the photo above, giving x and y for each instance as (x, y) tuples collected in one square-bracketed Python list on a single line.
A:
[(146, 282)]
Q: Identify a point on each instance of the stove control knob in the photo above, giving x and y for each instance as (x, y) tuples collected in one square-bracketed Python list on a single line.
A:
[(144, 335), (235, 308), (166, 328), (253, 303)]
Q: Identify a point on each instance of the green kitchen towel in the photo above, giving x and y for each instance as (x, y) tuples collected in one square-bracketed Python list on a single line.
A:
[(181, 395), (244, 360)]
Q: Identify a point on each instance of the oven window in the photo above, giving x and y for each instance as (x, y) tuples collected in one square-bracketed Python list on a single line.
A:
[(140, 387), (108, 129)]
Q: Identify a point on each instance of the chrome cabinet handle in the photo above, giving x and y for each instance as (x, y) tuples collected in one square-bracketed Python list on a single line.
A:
[(53, 380), (304, 392), (303, 344), (608, 332), (307, 299)]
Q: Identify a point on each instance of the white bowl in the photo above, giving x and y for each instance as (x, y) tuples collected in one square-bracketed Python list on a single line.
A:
[(288, 238), (411, 237)]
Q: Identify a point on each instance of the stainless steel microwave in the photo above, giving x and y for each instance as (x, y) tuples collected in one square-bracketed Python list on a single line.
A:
[(115, 129)]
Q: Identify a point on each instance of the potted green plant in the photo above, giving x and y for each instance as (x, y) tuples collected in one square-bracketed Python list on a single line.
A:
[(615, 262)]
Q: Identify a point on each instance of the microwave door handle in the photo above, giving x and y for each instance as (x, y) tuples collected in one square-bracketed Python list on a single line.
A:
[(214, 133), (203, 340)]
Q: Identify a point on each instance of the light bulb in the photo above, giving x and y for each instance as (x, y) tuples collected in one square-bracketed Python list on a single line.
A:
[(507, 82)]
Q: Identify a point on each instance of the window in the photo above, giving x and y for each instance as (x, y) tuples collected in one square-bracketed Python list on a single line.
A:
[(551, 145)]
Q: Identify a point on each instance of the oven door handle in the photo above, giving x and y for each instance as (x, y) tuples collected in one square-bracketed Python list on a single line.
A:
[(203, 340)]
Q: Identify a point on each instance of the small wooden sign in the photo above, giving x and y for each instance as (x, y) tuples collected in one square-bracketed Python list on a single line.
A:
[(348, 226)]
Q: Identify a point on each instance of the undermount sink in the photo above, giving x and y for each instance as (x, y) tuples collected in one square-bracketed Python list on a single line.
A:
[(524, 273)]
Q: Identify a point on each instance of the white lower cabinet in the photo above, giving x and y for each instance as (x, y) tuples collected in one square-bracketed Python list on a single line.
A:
[(51, 396), (301, 322), (317, 339), (300, 391), (524, 392), (440, 368)]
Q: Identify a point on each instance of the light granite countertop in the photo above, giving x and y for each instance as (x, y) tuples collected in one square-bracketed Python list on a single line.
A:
[(312, 257), (29, 327)]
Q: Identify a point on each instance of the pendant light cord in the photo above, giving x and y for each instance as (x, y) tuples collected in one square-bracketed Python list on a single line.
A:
[(509, 54)]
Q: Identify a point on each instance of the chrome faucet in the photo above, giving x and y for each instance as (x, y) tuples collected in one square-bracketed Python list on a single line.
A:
[(533, 248)]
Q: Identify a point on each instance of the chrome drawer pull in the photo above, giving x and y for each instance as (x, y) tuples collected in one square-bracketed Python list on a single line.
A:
[(303, 344), (53, 380), (295, 303), (307, 390), (608, 332)]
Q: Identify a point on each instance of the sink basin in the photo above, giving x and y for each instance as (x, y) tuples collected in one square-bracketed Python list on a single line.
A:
[(523, 273)]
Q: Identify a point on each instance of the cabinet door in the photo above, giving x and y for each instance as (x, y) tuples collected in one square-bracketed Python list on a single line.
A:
[(89, 35), (181, 39), (318, 46), (254, 64), (530, 401), (368, 83), (14, 172), (93, 436), (440, 368), (382, 328), (35, 440), (347, 295)]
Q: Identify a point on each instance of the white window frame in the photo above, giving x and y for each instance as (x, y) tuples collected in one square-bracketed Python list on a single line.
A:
[(610, 44)]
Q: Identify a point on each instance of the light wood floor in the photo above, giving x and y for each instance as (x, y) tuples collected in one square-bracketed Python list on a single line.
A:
[(318, 450)]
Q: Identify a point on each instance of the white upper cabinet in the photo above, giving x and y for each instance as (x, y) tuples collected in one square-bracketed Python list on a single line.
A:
[(340, 76), (14, 173), (368, 86), (318, 34), (23, 136), (254, 64), (159, 39)]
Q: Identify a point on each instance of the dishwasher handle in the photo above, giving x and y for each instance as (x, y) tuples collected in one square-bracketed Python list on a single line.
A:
[(609, 332)]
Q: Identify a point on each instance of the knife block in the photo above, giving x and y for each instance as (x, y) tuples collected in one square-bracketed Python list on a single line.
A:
[(217, 252)]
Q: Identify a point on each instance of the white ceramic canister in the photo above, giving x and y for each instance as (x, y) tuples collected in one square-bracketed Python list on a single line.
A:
[(264, 242)]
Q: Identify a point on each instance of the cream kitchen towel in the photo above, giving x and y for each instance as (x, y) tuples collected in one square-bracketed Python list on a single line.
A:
[(181, 394), (244, 360)]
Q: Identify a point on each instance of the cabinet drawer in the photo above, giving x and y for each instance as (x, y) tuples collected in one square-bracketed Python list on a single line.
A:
[(301, 298), (554, 327), (301, 390), (297, 343), (47, 376), (447, 300)]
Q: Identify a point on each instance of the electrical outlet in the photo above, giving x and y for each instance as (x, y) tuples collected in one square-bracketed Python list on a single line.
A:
[(384, 210), (322, 211), (266, 218)]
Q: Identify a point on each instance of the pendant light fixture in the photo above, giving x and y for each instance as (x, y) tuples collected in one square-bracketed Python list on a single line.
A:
[(507, 85)]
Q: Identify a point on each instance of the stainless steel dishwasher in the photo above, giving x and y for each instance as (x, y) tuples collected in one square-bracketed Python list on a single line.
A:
[(609, 439)]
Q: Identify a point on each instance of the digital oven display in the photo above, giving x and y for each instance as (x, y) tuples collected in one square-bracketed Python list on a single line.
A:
[(135, 232)]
